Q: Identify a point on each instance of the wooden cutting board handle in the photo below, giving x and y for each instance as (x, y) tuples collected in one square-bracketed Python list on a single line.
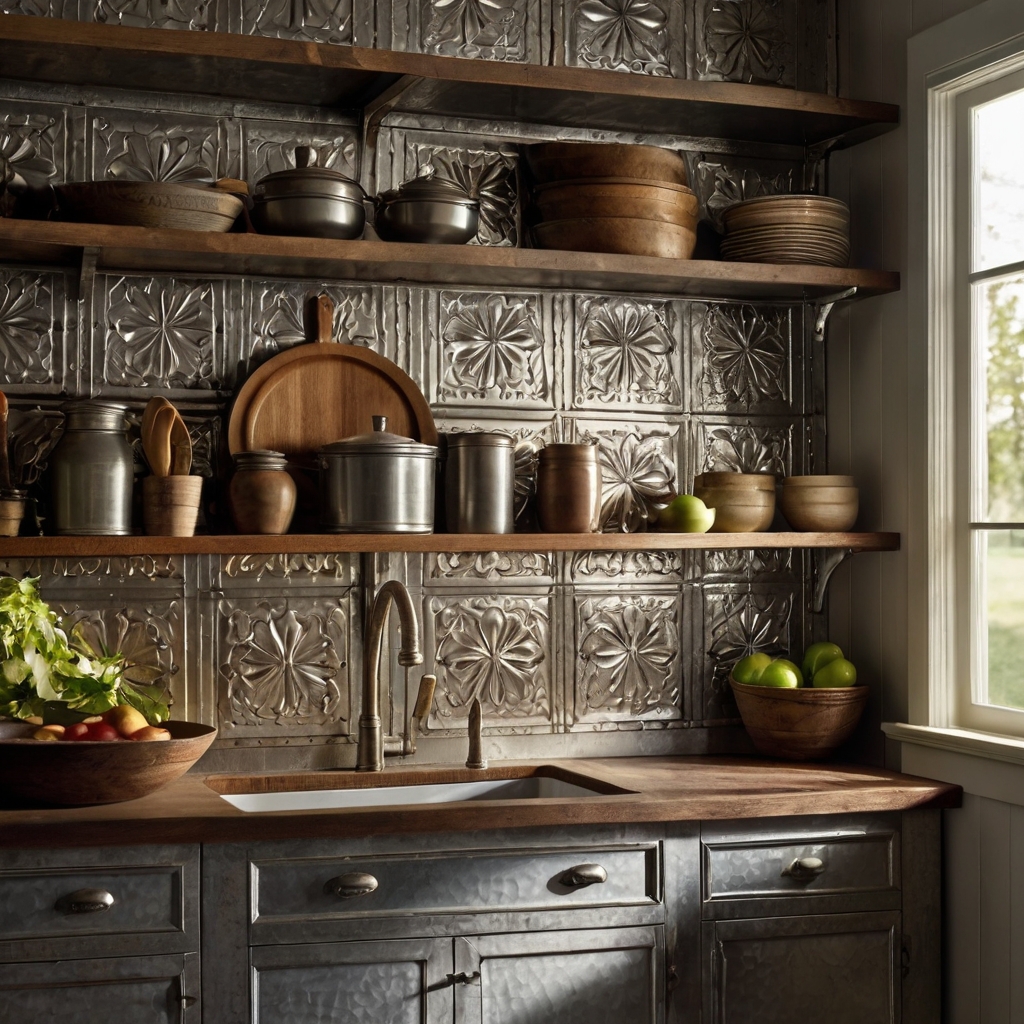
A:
[(319, 317)]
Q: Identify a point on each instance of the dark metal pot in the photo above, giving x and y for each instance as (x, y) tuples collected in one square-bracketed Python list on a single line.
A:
[(377, 483), (427, 209), (309, 201)]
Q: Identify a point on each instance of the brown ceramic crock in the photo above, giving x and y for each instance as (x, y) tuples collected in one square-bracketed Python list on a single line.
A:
[(261, 493)]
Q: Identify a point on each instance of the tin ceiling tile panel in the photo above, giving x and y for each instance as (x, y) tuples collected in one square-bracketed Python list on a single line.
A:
[(197, 15), (34, 354), (319, 21), (506, 30), (747, 445), (627, 353), (35, 142), (645, 37), (498, 649), (508, 568), (630, 567), (493, 349), (282, 665), (280, 572), (628, 664), (161, 332), (746, 41), (743, 359), (147, 145), (721, 181), (639, 469), (269, 146)]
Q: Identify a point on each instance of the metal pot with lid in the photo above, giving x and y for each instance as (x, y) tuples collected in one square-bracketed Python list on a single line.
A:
[(427, 209), (309, 200), (377, 483)]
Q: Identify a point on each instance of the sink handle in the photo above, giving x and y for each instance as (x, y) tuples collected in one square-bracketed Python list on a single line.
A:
[(84, 901), (583, 875), (351, 885), (804, 868)]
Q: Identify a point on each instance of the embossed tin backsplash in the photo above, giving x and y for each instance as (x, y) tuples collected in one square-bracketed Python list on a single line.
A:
[(569, 654)]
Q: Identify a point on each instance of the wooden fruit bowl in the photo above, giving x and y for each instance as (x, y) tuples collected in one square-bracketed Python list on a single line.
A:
[(89, 772), (802, 724)]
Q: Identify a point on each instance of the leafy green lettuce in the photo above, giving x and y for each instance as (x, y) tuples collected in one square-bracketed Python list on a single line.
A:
[(40, 665)]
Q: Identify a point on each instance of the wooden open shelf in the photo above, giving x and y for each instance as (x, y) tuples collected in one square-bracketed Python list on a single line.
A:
[(251, 67), (311, 544), (204, 252)]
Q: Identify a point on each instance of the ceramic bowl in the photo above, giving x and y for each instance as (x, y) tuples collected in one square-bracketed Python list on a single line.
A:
[(829, 505), (802, 724)]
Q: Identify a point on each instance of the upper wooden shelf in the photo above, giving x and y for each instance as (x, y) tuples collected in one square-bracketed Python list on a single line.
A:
[(301, 544), (251, 67), (200, 252)]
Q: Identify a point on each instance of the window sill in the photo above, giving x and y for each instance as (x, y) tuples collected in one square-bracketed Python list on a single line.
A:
[(985, 764)]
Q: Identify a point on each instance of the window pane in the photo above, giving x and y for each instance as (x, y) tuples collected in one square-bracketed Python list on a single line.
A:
[(1003, 602), (1001, 323), (999, 182)]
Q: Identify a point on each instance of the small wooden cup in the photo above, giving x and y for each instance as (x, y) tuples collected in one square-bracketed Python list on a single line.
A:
[(12, 511), (170, 505)]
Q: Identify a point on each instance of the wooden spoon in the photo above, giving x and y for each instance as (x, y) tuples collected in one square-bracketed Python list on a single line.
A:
[(181, 446), (5, 465), (148, 419), (158, 451)]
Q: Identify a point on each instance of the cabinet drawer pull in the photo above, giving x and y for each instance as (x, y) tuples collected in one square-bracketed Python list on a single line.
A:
[(351, 885), (804, 868), (462, 978), (84, 901), (584, 874)]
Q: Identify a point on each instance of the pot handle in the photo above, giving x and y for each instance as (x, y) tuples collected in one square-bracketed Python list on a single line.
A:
[(319, 317)]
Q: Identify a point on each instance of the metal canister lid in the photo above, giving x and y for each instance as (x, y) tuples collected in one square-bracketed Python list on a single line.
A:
[(429, 188), (261, 458), (94, 415), (380, 442), (479, 439)]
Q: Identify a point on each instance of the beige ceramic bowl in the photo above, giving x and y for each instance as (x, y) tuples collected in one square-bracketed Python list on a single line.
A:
[(827, 504)]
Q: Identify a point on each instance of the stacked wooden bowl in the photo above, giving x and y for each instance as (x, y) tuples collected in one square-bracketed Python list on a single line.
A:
[(788, 229), (597, 197)]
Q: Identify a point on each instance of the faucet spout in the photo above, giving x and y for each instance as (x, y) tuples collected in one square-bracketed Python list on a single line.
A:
[(370, 756)]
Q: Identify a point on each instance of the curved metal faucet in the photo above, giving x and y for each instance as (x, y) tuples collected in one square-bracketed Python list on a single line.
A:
[(370, 757)]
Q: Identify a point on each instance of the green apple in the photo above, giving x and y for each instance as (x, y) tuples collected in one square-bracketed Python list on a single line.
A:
[(686, 514), (781, 673), (818, 656), (839, 672), (748, 670)]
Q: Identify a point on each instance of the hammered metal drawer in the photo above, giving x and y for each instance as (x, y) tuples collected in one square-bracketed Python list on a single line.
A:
[(449, 883), (90, 903), (800, 865)]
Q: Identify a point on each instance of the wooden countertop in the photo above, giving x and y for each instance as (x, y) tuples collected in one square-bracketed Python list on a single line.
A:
[(648, 789)]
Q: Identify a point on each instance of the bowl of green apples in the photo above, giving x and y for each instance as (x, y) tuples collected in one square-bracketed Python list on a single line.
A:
[(799, 712)]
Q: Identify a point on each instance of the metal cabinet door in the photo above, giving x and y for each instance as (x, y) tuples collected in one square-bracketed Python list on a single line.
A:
[(126, 990), (836, 969), (397, 981), (605, 976)]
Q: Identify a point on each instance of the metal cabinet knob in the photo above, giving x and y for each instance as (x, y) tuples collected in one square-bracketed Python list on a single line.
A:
[(584, 874), (84, 901), (351, 885), (804, 868)]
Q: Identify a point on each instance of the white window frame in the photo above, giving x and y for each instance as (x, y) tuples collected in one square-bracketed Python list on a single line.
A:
[(966, 53)]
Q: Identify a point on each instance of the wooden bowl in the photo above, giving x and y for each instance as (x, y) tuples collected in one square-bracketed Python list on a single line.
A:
[(818, 480), (86, 772), (148, 204), (560, 161), (631, 236), (803, 724), (738, 511), (742, 481), (825, 509)]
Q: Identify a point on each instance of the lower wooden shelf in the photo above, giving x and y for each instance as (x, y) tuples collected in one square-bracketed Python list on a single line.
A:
[(301, 544)]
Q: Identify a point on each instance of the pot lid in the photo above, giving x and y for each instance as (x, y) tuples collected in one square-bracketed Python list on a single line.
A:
[(380, 442), (307, 178), (426, 186)]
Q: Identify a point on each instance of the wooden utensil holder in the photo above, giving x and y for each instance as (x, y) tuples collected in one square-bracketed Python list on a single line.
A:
[(170, 505)]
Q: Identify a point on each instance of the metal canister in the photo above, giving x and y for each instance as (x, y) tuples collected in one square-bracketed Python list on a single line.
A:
[(480, 483), (377, 483), (569, 488), (91, 472)]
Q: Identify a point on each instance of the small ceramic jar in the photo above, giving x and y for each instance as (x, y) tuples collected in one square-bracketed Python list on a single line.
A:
[(261, 493), (12, 510), (569, 488)]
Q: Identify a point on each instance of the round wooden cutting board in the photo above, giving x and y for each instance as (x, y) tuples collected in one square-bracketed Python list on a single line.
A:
[(321, 392)]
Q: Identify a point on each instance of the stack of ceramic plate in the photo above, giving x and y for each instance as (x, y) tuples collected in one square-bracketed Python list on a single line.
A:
[(788, 229)]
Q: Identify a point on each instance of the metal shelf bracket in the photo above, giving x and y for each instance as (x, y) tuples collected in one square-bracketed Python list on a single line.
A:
[(824, 307), (826, 561)]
